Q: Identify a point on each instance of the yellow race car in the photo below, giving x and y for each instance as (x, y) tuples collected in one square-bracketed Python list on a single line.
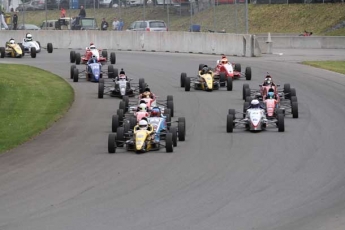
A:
[(14, 50), (206, 80)]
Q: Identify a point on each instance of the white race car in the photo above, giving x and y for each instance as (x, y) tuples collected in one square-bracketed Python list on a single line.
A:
[(35, 45)]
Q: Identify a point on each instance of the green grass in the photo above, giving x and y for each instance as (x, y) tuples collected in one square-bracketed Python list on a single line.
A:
[(31, 100), (275, 18), (336, 66)]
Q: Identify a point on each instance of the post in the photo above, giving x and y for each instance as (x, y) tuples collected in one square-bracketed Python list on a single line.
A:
[(191, 10), (247, 26), (269, 44), (168, 14), (45, 6), (214, 15)]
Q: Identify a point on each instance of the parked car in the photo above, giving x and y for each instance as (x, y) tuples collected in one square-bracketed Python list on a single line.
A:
[(30, 6), (150, 25), (27, 27)]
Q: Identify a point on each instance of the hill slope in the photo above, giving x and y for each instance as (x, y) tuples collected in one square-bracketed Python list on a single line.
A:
[(293, 18)]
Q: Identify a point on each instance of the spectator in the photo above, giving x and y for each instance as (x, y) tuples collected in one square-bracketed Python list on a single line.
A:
[(82, 13), (2, 20), (15, 20), (121, 23), (104, 24), (62, 13), (116, 24)]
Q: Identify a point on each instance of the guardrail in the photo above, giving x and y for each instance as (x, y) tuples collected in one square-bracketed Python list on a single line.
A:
[(172, 41)]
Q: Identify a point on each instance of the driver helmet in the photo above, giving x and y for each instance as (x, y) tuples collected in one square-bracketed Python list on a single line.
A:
[(91, 44), (270, 93), (143, 125), (92, 47), (143, 107), (255, 104), (205, 69), (28, 37), (268, 79), (156, 112), (122, 76), (147, 90), (224, 60), (145, 119), (12, 41)]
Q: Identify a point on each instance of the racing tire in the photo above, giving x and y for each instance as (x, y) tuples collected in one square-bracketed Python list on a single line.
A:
[(287, 90), (181, 128), (2, 52), (122, 105), (72, 71), (75, 75), (33, 52), (229, 123), (101, 88), (166, 111), (115, 123), (112, 143), (222, 79), (112, 58), (292, 93), (169, 148), (187, 84), (49, 48), (232, 111), (168, 120), (126, 100), (279, 111), (229, 84), (243, 91), (142, 85), (246, 93), (280, 123), (201, 66), (111, 73), (170, 98), (248, 73), (293, 99), (77, 58), (238, 67), (132, 122), (170, 105), (173, 130), (120, 134), (294, 109), (72, 56), (182, 79), (245, 107), (126, 128), (249, 99), (121, 115), (105, 54)]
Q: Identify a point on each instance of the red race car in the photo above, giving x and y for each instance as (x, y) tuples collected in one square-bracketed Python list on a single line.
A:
[(224, 67), (101, 55)]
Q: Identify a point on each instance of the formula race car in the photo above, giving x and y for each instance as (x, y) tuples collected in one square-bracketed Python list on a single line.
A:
[(286, 93), (231, 70), (120, 86), (29, 45), (273, 107), (205, 80), (254, 120), (15, 50), (101, 55), (132, 106), (139, 141), (92, 72)]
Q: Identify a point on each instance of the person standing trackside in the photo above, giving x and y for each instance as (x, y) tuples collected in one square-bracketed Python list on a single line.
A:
[(82, 13), (115, 24), (121, 24), (15, 20), (104, 24)]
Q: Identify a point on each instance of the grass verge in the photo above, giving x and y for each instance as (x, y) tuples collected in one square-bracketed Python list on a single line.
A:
[(31, 101), (336, 66)]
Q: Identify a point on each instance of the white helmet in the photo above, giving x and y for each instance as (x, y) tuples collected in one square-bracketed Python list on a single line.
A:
[(12, 41), (92, 47), (143, 124), (29, 37), (143, 107), (255, 103)]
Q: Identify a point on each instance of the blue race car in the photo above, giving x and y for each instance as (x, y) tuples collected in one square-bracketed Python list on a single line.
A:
[(93, 72)]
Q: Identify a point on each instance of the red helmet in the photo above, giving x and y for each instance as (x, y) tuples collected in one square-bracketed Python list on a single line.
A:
[(91, 43), (224, 60)]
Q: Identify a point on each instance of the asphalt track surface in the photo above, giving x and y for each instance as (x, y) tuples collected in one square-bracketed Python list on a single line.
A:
[(65, 179)]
